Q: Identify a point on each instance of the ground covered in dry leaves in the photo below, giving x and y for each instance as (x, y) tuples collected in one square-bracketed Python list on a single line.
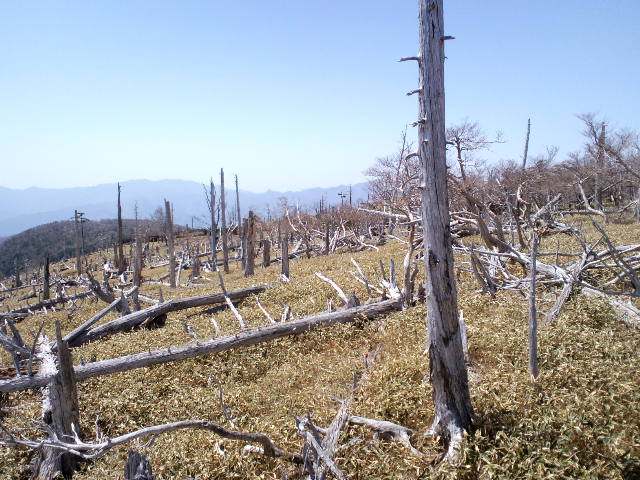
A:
[(580, 419)]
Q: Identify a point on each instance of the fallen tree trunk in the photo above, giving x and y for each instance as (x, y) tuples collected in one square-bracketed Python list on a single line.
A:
[(231, 342), (51, 303), (134, 319)]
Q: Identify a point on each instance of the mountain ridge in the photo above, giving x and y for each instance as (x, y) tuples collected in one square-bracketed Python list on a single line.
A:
[(21, 209)]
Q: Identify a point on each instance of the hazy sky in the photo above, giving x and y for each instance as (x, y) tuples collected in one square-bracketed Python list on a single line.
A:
[(290, 94)]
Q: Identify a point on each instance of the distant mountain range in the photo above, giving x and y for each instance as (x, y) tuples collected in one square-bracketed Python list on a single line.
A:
[(23, 209)]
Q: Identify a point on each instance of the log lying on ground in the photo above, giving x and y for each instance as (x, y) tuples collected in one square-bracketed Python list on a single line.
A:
[(51, 303), (242, 339), (134, 319)]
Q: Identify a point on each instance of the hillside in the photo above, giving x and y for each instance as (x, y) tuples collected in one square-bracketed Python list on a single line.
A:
[(57, 241), (579, 419)]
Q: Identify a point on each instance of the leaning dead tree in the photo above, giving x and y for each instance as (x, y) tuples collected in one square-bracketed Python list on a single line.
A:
[(448, 372)]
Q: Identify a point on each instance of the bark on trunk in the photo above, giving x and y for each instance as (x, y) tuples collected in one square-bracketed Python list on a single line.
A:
[(451, 397), (169, 231)]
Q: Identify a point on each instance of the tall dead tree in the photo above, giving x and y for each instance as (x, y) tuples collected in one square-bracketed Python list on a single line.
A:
[(285, 255), (250, 235), (76, 225), (214, 225), (238, 215), (223, 227), (169, 232), (600, 155), (448, 372), (526, 145), (533, 319), (46, 285), (120, 260)]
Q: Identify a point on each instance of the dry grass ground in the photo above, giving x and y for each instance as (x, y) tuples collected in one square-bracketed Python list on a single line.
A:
[(580, 419)]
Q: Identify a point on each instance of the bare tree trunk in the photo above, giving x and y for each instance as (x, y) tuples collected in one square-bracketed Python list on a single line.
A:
[(250, 240), (137, 265), (223, 228), (533, 319), (239, 215), (214, 225), (526, 145), (452, 402), (285, 255), (598, 199), (76, 225), (60, 412), (18, 283), (46, 287), (266, 252), (138, 467), (169, 232), (120, 261)]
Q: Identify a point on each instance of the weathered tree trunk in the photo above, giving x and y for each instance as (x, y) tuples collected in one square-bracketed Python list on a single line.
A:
[(243, 244), (214, 225), (46, 285), (223, 228), (60, 412), (138, 467), (526, 145), (241, 339), (238, 214), (250, 242), (18, 283), (76, 225), (266, 252), (598, 199), (169, 232), (285, 256), (120, 261), (136, 319), (533, 319), (326, 238), (451, 397)]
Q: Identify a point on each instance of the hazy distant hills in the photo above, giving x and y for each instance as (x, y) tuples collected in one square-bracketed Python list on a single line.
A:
[(23, 209)]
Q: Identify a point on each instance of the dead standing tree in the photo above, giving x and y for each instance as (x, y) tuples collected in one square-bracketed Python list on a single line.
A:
[(120, 261), (169, 232), (223, 227), (448, 371)]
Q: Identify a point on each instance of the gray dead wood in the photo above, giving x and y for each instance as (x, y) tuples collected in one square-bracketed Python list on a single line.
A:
[(169, 233), (60, 412), (533, 318), (266, 252), (52, 302), (223, 228), (241, 339), (214, 225), (46, 287), (250, 242), (448, 372), (138, 467), (70, 337), (135, 319), (285, 257)]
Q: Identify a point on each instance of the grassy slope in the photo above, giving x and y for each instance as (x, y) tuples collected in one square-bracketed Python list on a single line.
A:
[(579, 420)]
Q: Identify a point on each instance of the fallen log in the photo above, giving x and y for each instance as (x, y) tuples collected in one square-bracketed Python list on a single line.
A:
[(132, 320), (51, 303), (230, 342)]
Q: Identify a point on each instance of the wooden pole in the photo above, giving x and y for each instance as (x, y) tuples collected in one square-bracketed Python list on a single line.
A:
[(285, 256), (76, 225)]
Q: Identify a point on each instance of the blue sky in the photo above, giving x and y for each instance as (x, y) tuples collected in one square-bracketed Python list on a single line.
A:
[(290, 94)]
